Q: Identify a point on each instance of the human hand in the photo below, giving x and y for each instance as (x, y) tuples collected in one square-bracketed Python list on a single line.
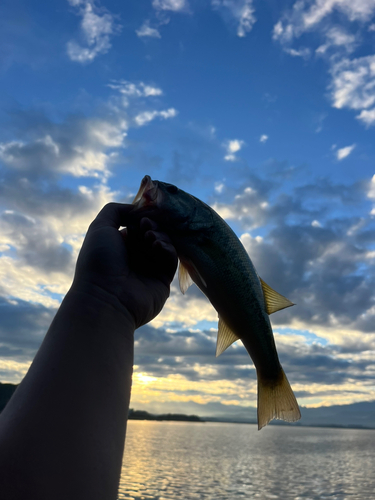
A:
[(130, 269)]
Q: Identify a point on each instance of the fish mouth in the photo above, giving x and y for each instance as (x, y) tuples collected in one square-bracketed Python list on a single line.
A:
[(147, 194)]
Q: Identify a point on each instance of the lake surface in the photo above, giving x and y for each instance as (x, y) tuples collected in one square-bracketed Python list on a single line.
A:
[(187, 460)]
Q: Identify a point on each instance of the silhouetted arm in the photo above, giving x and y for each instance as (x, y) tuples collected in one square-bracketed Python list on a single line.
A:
[(62, 433)]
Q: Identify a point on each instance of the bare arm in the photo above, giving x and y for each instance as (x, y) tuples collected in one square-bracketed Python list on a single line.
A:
[(62, 433)]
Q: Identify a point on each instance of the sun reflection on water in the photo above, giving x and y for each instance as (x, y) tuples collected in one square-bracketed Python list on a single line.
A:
[(170, 460)]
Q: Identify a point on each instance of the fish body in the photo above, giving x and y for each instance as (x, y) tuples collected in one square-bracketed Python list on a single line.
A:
[(213, 257)]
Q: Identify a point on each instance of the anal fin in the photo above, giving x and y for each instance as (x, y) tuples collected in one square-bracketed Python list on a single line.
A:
[(225, 337)]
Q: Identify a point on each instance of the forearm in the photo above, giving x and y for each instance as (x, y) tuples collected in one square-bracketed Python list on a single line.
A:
[(55, 441)]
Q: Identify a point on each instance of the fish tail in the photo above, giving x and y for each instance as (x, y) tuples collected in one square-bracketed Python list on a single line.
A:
[(276, 400)]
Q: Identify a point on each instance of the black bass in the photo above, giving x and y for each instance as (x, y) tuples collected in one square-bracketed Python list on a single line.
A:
[(214, 258)]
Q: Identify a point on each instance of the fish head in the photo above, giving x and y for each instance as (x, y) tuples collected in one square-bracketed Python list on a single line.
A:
[(170, 206)]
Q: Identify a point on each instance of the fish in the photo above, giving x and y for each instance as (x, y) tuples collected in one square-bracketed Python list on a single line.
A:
[(212, 256)]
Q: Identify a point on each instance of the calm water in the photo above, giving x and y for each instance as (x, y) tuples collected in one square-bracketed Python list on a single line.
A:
[(173, 460)]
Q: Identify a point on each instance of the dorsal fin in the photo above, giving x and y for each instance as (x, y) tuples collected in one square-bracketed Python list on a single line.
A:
[(184, 278), (225, 337), (274, 301)]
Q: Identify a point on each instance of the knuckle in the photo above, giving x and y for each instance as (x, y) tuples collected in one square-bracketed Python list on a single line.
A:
[(94, 224), (103, 215), (109, 207)]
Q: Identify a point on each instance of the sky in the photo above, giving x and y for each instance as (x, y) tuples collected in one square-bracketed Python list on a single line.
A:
[(265, 110)]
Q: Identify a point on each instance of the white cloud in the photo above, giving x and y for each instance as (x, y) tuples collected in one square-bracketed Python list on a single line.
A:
[(282, 33), (367, 116), (106, 133), (371, 190), (306, 16), (371, 193), (353, 81), (30, 284), (240, 12), (130, 90), (219, 187), (357, 10), (232, 147), (78, 148), (353, 86), (148, 90), (319, 120), (161, 16), (225, 211), (189, 312), (263, 138), (134, 89), (303, 52), (96, 28), (147, 116), (248, 206), (173, 5), (344, 152), (337, 37), (146, 31), (316, 223), (83, 146), (43, 265), (44, 222)]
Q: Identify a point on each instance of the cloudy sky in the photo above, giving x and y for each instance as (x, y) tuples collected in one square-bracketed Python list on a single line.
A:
[(264, 109)]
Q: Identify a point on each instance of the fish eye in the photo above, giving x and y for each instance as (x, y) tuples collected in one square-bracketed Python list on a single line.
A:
[(172, 189)]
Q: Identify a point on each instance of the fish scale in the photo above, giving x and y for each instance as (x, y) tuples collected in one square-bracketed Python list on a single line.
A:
[(231, 277)]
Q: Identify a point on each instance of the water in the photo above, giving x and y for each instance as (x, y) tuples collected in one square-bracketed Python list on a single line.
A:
[(214, 461)]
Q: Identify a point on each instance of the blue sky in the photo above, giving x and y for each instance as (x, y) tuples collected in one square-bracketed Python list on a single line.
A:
[(263, 109)]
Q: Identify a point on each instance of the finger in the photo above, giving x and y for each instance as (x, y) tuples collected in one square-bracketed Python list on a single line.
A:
[(124, 233), (166, 256), (147, 224), (113, 215), (151, 236)]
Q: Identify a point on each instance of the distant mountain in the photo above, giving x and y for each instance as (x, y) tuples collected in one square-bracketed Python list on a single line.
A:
[(353, 415), (145, 415), (6, 391)]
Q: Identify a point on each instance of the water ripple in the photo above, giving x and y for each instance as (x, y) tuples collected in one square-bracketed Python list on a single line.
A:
[(217, 461)]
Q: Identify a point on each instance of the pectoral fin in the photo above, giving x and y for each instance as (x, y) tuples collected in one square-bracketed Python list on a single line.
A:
[(189, 274), (225, 337), (273, 300), (184, 278)]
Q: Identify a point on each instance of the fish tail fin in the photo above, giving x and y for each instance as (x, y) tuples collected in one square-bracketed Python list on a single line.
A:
[(276, 400)]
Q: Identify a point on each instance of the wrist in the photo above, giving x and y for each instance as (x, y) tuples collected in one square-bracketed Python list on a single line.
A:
[(92, 299)]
